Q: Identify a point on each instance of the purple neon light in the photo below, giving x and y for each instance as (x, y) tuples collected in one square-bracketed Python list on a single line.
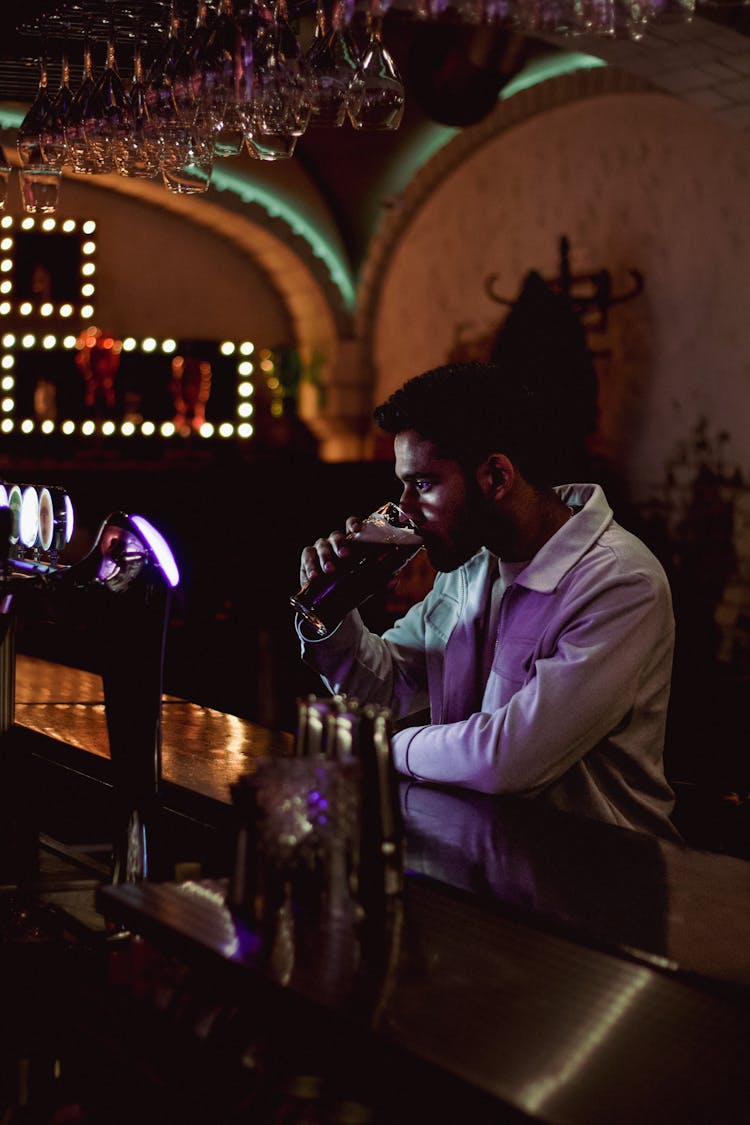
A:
[(69, 518), (162, 552)]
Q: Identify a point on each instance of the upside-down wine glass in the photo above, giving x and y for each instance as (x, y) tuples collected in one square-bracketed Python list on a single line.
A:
[(229, 124), (184, 72), (28, 139), (220, 65), (170, 103), (81, 157), (334, 79), (107, 118), (138, 151), (280, 109), (382, 104), (54, 144)]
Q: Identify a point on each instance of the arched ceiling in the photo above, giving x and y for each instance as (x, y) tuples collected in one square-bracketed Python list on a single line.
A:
[(311, 221)]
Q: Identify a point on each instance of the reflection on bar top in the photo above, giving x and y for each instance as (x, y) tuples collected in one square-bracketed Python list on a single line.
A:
[(202, 750), (678, 907), (673, 905)]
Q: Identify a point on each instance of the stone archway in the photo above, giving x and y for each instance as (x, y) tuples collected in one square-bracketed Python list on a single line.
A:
[(447, 162), (637, 179)]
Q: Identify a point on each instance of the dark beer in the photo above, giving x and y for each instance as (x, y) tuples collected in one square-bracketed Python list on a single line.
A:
[(377, 552)]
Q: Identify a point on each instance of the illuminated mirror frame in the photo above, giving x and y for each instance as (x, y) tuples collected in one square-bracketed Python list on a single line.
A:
[(53, 326), (14, 420), (73, 305)]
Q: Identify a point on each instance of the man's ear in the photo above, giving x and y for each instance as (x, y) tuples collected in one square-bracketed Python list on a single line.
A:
[(495, 476)]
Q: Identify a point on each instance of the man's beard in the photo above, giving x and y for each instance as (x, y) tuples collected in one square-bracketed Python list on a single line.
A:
[(467, 536)]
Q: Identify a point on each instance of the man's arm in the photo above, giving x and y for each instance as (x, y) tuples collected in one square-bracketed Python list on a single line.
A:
[(358, 663), (611, 666)]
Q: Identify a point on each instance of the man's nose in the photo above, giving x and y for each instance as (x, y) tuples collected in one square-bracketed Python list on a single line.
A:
[(409, 502)]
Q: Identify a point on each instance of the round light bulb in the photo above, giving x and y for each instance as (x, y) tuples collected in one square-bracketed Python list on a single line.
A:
[(29, 520), (46, 519)]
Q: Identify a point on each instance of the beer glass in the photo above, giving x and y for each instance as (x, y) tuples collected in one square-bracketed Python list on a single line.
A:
[(383, 545)]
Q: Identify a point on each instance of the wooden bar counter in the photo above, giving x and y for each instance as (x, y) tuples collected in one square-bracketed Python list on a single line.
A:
[(203, 750), (538, 966)]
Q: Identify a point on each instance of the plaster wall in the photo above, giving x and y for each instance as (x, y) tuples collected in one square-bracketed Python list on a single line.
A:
[(159, 275), (635, 181)]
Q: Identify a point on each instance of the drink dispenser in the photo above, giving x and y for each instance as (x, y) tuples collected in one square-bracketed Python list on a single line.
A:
[(122, 588)]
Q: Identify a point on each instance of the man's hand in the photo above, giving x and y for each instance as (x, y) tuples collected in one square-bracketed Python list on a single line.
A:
[(321, 557)]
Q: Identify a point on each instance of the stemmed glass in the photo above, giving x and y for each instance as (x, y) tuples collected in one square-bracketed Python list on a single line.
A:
[(178, 130), (240, 81), (219, 66), (82, 158), (106, 121), (54, 144), (170, 103), (382, 105), (280, 109), (334, 78), (28, 140), (138, 151), (227, 121), (185, 72)]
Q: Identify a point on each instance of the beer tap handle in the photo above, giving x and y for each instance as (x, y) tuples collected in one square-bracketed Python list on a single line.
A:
[(128, 578)]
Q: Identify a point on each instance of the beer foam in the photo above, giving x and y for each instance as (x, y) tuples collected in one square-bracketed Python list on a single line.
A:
[(375, 531)]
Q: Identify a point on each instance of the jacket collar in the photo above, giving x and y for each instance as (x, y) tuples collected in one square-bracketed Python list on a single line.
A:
[(567, 546)]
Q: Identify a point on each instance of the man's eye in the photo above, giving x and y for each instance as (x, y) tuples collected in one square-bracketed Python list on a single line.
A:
[(422, 485)]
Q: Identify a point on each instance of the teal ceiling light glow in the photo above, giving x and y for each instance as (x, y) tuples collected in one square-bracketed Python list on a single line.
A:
[(10, 118), (249, 191), (435, 137), (542, 70), (429, 140)]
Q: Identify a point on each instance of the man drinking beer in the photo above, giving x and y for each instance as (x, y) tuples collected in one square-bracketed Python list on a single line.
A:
[(540, 661)]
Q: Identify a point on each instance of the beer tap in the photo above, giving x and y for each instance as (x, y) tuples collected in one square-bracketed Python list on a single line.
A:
[(122, 587), (132, 572)]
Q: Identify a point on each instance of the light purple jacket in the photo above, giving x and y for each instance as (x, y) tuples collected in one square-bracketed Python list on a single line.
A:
[(574, 706)]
